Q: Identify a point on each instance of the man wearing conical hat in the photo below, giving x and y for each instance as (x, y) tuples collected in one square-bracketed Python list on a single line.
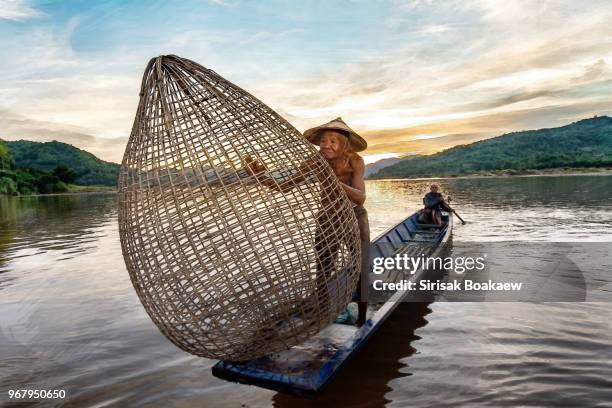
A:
[(339, 145)]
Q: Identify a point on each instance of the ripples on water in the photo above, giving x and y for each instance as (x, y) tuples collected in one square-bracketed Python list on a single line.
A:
[(70, 318)]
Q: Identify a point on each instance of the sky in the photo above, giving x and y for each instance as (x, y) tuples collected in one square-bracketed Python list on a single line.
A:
[(413, 77)]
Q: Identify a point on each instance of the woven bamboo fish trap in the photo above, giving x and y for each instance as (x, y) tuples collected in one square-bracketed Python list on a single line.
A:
[(230, 262)]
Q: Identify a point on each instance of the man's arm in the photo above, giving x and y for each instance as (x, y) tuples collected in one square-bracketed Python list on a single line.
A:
[(444, 205), (356, 193), (258, 170)]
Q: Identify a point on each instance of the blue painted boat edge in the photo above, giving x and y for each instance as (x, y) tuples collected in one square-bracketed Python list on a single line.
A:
[(308, 385), (336, 362), (295, 385)]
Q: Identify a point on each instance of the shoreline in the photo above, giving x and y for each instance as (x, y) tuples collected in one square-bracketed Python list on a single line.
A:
[(62, 194), (598, 171), (602, 171)]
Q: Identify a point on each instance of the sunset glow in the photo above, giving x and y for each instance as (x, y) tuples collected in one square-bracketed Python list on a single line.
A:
[(412, 77)]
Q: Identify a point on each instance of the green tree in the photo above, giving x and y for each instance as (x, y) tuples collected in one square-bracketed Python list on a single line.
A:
[(6, 161), (46, 157), (48, 183), (65, 174)]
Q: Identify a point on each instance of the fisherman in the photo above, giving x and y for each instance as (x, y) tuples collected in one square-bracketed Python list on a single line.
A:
[(434, 204), (339, 145)]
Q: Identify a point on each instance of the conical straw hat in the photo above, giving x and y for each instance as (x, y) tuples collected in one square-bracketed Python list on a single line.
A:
[(356, 142)]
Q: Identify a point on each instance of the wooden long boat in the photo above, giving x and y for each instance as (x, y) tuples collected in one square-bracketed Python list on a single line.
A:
[(304, 370)]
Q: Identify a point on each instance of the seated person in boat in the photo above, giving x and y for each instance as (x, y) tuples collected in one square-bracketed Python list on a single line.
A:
[(434, 204), (339, 145)]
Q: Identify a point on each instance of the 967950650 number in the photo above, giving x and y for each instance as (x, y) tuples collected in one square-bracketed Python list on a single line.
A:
[(36, 394)]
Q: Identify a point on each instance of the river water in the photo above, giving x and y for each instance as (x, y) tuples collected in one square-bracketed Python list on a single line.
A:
[(70, 319)]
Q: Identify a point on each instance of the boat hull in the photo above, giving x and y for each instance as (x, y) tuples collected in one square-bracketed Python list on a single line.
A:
[(305, 370)]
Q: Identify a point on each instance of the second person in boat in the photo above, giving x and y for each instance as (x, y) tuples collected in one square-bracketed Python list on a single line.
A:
[(434, 204)]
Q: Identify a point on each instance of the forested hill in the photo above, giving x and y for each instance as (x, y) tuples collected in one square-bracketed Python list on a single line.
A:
[(46, 157), (586, 143), (5, 158)]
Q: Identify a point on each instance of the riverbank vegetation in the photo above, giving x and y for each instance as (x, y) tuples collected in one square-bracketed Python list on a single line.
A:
[(585, 144), (52, 168)]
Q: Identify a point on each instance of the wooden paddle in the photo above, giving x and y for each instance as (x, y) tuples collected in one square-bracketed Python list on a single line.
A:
[(453, 211), (458, 216)]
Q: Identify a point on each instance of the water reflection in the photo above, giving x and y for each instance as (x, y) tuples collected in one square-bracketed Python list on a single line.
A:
[(382, 360), (69, 317), (570, 208), (35, 224)]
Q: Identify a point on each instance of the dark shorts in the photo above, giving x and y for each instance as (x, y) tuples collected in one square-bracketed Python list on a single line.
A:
[(326, 254), (430, 216), (361, 294)]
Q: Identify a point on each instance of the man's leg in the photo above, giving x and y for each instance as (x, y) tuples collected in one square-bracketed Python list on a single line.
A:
[(437, 216), (427, 217), (363, 286), (325, 264), (326, 260)]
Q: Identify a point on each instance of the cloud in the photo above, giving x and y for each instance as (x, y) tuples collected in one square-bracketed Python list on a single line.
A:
[(499, 59), (463, 131), (592, 72), (223, 3), (17, 10), (435, 29), (459, 70)]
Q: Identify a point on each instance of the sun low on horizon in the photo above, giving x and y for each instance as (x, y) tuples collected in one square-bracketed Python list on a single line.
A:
[(413, 77)]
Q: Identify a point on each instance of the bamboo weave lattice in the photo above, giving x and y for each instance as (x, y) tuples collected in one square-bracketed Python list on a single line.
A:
[(230, 262)]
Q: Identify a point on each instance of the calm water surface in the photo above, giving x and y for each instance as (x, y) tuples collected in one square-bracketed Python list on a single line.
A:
[(70, 319)]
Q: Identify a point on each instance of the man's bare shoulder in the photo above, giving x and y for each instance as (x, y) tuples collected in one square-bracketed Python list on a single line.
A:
[(357, 161)]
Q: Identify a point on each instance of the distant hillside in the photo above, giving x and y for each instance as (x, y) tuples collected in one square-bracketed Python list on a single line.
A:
[(47, 156), (372, 168), (586, 143)]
